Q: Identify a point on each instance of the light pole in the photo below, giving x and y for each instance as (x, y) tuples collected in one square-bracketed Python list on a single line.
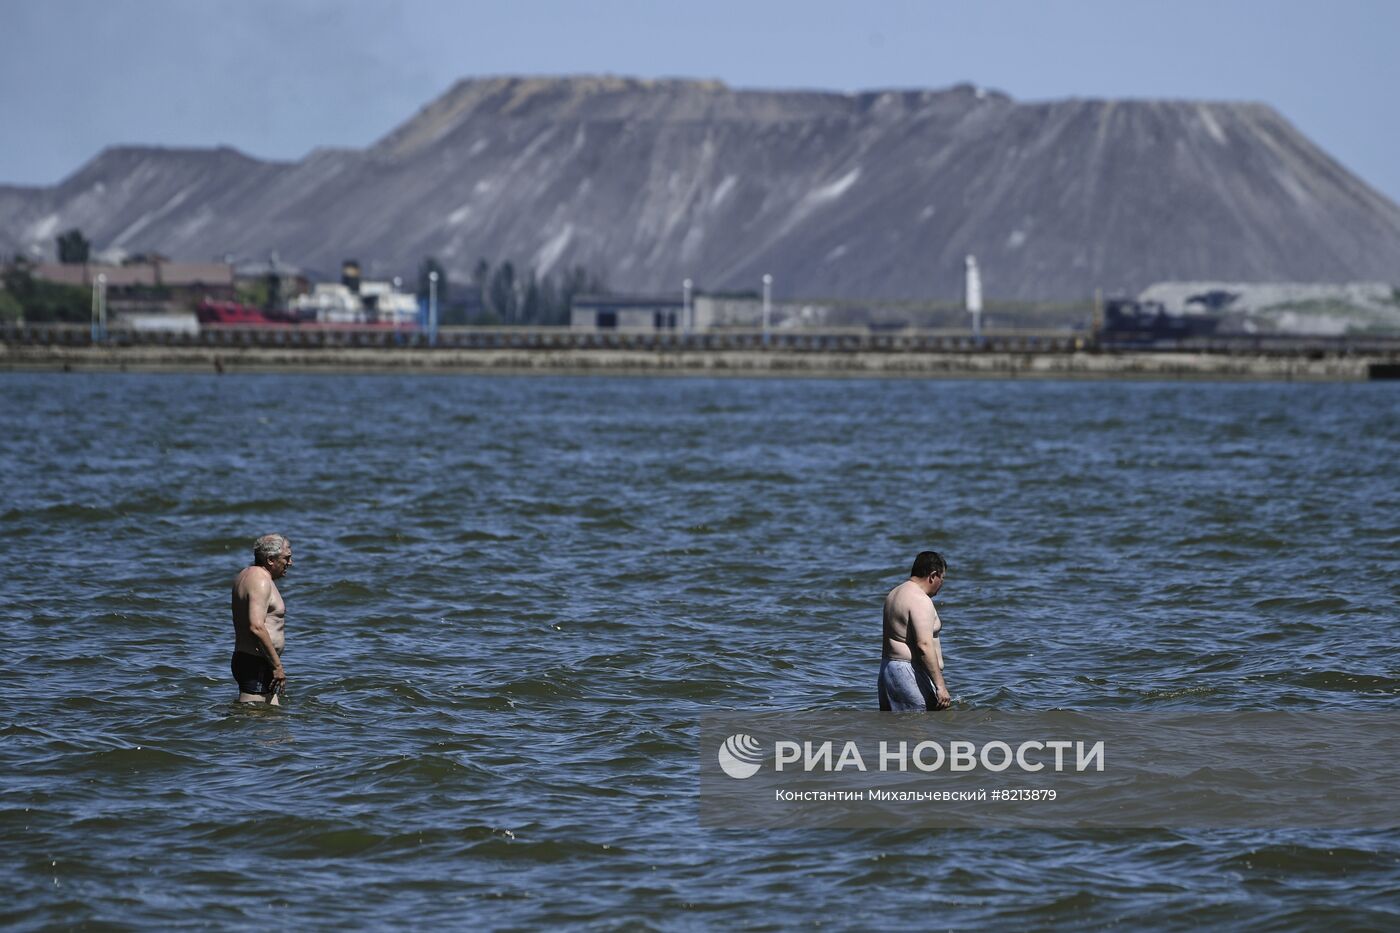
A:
[(99, 307), (432, 308), (93, 317), (767, 303), (686, 323), (394, 301)]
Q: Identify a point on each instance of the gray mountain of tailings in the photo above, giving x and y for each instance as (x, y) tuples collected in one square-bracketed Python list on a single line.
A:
[(869, 195)]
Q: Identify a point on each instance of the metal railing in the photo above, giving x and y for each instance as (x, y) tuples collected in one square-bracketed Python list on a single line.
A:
[(551, 338), (311, 337)]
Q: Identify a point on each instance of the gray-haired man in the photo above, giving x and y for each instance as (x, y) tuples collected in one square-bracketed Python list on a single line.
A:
[(259, 617)]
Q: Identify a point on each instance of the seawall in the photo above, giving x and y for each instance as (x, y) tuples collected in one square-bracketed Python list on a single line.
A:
[(701, 362)]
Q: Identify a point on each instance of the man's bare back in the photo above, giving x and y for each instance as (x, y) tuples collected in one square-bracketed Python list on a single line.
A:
[(910, 639), (255, 584), (902, 605), (259, 622)]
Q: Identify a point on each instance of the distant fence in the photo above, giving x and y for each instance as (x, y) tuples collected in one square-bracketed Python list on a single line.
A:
[(560, 338), (1259, 344)]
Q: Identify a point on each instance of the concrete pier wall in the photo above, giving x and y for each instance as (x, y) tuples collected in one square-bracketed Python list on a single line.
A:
[(1055, 365)]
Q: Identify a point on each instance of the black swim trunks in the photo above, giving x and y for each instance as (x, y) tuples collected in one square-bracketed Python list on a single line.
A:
[(253, 672)]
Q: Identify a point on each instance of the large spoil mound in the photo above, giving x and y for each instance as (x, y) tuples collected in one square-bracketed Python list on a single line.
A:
[(875, 195)]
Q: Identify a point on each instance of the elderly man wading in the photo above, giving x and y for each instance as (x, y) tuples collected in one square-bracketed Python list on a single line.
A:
[(911, 660), (259, 616)]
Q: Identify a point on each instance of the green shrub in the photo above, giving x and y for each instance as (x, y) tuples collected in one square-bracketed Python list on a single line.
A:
[(9, 308), (46, 301)]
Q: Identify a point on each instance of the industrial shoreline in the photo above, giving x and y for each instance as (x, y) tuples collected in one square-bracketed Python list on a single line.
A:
[(1078, 364)]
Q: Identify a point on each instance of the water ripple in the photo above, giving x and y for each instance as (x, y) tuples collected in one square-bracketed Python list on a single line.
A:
[(514, 597)]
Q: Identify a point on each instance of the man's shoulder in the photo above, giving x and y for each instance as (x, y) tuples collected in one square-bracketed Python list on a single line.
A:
[(901, 591), (250, 578)]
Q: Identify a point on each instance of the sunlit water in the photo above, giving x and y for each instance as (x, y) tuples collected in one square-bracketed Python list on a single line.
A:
[(513, 598)]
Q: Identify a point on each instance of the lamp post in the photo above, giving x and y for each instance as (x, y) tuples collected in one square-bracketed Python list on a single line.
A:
[(394, 302), (686, 323), (99, 307), (432, 308), (93, 317), (767, 304)]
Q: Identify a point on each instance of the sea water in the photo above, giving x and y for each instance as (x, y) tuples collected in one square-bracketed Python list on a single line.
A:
[(513, 598)]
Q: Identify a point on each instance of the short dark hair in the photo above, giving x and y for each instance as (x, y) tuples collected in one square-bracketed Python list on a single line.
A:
[(928, 562)]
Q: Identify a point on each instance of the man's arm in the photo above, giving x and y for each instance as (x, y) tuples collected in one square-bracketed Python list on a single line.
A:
[(258, 594), (926, 625)]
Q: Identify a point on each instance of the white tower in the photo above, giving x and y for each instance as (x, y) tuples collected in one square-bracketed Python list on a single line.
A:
[(972, 293)]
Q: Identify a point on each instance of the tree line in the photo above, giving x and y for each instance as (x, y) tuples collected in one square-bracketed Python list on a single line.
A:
[(35, 299), (494, 294)]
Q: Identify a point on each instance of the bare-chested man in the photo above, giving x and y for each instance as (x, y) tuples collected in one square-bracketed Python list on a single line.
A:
[(259, 616), (911, 662)]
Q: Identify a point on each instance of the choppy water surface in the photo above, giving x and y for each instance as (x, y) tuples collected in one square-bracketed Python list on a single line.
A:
[(512, 599)]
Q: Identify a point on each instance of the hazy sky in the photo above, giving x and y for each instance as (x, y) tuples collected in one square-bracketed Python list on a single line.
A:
[(276, 78)]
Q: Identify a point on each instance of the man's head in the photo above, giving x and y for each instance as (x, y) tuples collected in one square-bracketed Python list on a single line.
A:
[(928, 570), (273, 553)]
